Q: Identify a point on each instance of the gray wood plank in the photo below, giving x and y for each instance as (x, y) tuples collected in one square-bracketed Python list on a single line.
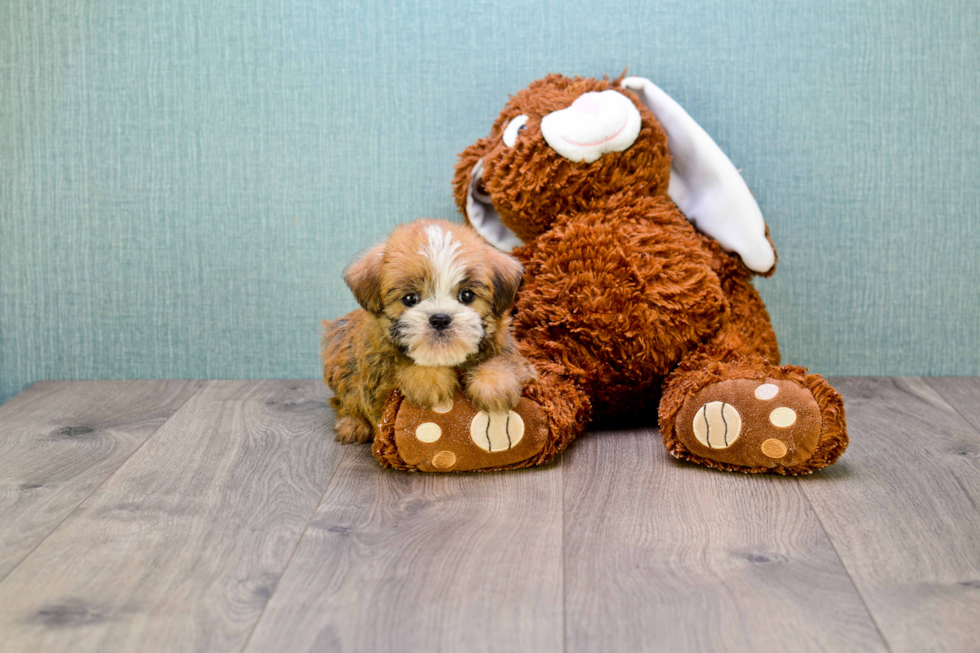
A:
[(960, 392), (662, 555), (182, 547), (903, 510), (395, 561), (60, 440)]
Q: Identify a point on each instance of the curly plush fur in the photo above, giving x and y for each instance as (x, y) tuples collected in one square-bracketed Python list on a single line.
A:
[(623, 299)]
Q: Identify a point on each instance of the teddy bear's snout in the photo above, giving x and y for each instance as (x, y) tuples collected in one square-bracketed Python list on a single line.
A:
[(593, 125), (587, 103)]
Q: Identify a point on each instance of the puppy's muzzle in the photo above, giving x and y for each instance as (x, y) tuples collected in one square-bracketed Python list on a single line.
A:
[(440, 321)]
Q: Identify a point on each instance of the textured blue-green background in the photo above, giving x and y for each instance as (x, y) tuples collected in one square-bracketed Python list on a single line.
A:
[(182, 182)]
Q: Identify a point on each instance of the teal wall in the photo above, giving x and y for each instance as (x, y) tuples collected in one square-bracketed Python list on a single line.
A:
[(182, 182)]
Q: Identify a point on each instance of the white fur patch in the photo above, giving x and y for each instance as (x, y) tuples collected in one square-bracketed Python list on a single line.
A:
[(442, 250), (461, 339), (448, 348)]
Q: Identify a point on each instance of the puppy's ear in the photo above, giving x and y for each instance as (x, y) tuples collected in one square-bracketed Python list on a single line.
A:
[(363, 277), (507, 275)]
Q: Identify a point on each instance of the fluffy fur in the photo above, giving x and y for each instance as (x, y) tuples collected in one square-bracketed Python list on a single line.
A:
[(435, 304), (624, 301)]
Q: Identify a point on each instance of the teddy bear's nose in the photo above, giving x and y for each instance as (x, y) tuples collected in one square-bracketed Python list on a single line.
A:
[(587, 103), (593, 125)]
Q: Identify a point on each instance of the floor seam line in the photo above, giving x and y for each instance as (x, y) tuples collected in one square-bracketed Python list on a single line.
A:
[(959, 413), (833, 546), (292, 553)]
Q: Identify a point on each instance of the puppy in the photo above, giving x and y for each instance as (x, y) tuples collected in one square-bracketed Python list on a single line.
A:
[(436, 302)]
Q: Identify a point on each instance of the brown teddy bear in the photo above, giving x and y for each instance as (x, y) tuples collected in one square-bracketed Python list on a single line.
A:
[(639, 240)]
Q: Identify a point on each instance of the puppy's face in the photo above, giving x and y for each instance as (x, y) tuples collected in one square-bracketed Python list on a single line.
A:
[(439, 290)]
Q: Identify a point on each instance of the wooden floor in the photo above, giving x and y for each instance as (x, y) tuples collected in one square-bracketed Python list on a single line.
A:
[(221, 516)]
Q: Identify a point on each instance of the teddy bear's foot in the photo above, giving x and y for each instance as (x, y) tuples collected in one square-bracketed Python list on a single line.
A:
[(455, 437), (787, 423), (750, 423)]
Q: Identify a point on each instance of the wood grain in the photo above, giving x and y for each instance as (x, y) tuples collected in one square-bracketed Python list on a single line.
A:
[(182, 547), (60, 440), (902, 507), (664, 555), (206, 531), (960, 392), (395, 561)]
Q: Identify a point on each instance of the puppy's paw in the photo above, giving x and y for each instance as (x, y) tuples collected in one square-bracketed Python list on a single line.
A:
[(426, 398), (427, 387), (353, 430), (495, 387), (494, 396)]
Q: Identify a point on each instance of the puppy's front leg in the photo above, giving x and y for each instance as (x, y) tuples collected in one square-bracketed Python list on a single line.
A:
[(427, 386), (496, 384)]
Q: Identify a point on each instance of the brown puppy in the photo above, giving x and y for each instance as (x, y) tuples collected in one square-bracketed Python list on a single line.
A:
[(436, 302)]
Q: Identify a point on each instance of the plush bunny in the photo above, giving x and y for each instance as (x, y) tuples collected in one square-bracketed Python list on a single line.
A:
[(639, 240)]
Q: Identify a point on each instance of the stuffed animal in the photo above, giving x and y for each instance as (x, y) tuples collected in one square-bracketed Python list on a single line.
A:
[(639, 241)]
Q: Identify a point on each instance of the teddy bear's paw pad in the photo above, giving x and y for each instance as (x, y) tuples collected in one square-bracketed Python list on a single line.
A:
[(455, 437), (751, 423), (497, 431), (717, 425)]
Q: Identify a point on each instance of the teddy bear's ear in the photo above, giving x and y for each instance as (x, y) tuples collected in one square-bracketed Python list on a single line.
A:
[(705, 184), (363, 277)]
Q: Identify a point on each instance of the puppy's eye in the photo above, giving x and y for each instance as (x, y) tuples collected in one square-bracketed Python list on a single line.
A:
[(467, 296), (510, 132), (411, 299)]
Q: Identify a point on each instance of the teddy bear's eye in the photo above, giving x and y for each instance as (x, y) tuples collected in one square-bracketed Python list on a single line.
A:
[(411, 299), (510, 132)]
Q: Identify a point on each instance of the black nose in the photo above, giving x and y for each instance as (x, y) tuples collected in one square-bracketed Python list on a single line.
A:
[(440, 321)]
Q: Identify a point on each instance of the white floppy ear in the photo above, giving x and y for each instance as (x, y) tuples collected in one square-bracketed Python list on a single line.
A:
[(705, 184)]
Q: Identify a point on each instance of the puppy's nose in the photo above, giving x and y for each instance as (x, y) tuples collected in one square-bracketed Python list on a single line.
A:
[(440, 321)]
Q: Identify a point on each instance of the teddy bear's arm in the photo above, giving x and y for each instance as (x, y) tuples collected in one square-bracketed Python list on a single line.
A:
[(618, 295)]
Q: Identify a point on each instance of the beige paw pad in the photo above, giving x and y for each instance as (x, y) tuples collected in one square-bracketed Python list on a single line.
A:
[(783, 417), (766, 391), (498, 431), (444, 459), (717, 425), (428, 432), (444, 407), (774, 448)]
